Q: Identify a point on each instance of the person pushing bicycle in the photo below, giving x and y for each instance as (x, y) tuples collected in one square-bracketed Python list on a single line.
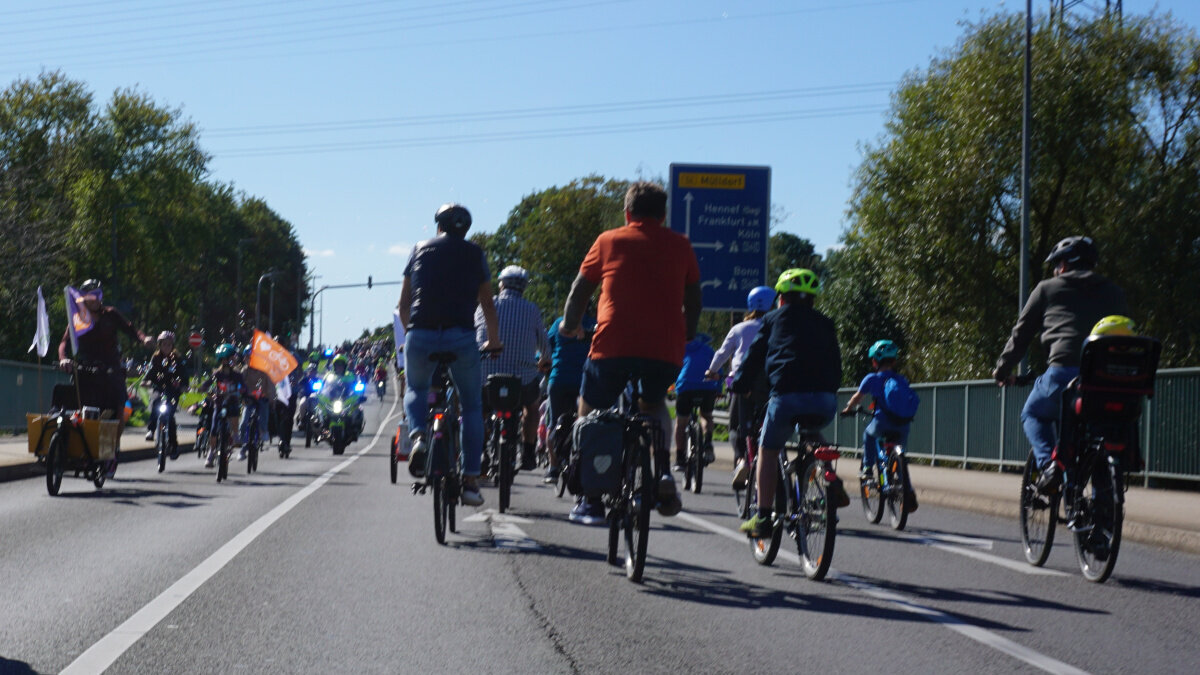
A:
[(1063, 309)]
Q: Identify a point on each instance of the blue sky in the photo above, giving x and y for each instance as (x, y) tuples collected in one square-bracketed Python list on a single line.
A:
[(356, 120)]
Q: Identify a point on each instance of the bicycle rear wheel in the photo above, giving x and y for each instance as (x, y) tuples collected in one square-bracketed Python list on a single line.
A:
[(1101, 504), (696, 455), (897, 490), (439, 511), (223, 457), (252, 456), (747, 500), (56, 458), (814, 517), (1038, 516), (162, 443), (393, 461), (505, 474), (640, 491), (872, 497), (765, 549)]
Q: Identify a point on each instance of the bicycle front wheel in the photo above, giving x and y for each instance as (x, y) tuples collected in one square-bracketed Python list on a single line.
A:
[(162, 442), (1103, 513), (505, 474), (223, 457), (814, 517), (697, 457), (252, 457), (439, 511), (1038, 516), (640, 489), (56, 458), (766, 548), (872, 497)]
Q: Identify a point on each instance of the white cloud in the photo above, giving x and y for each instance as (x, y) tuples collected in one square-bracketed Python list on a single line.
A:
[(326, 253), (400, 249)]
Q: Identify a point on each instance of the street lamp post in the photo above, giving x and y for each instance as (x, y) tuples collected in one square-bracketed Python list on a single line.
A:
[(270, 274), (1026, 128)]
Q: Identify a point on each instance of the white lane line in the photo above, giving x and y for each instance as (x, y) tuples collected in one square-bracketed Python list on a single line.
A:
[(980, 635), (974, 542), (104, 653), (1014, 565)]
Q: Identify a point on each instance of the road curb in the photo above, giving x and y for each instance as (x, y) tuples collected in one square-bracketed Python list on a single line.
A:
[(1142, 533), (32, 468)]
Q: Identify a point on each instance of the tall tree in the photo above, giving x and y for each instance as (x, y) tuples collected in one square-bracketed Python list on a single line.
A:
[(935, 212)]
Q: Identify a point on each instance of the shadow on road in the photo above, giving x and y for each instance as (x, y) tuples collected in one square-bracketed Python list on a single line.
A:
[(14, 667), (982, 597), (1157, 586), (132, 496)]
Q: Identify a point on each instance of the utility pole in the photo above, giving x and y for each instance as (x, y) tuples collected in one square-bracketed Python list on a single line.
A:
[(1026, 128)]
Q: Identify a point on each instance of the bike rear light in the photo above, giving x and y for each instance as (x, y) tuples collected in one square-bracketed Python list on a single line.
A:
[(1113, 447), (826, 454), (1114, 407), (437, 416), (830, 476)]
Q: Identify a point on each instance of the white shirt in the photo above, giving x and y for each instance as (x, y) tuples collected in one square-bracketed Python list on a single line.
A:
[(736, 344)]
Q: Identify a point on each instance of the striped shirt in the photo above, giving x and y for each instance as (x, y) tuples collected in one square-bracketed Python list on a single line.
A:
[(523, 335)]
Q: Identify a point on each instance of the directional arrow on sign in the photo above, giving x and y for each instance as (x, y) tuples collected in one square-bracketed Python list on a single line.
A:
[(715, 283), (687, 215), (716, 245)]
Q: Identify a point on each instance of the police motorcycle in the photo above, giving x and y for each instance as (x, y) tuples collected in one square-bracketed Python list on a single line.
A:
[(337, 419)]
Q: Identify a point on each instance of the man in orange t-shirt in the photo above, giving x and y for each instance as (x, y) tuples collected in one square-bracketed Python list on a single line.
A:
[(649, 284)]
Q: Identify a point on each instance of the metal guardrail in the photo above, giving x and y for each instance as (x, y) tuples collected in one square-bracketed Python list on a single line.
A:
[(976, 422), (20, 391)]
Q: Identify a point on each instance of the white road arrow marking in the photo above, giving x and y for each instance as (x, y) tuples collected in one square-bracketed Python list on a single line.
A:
[(494, 516), (505, 532)]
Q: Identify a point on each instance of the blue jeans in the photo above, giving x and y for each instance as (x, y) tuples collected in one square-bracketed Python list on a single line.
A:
[(419, 343), (874, 433), (783, 409), (264, 409), (1043, 408)]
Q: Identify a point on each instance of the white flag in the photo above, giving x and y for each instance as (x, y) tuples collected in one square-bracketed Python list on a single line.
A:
[(283, 390), (41, 339)]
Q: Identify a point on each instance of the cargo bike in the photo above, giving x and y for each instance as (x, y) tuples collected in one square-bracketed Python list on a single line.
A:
[(72, 439)]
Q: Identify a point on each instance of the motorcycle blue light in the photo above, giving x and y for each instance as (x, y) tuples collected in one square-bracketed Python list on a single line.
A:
[(316, 386), (359, 386)]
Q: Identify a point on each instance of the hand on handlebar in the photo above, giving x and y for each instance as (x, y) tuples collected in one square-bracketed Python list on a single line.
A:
[(851, 412), (711, 375), (492, 348), (66, 365)]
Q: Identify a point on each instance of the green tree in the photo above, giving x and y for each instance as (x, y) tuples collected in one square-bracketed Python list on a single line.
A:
[(935, 212)]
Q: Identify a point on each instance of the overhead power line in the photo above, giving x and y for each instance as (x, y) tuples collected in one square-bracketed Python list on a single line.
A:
[(542, 134)]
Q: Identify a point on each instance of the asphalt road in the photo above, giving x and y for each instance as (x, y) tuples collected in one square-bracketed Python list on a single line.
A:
[(319, 564)]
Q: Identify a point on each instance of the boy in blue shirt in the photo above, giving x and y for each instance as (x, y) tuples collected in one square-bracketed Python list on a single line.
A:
[(883, 358), (694, 391)]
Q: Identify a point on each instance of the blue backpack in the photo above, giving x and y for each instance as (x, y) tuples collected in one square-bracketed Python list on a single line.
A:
[(899, 402)]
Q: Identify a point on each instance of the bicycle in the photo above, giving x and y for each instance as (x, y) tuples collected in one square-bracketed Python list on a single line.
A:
[(1099, 444), (804, 507), (162, 436), (222, 412), (502, 433), (253, 432), (888, 485), (629, 507), (693, 467), (73, 438), (443, 473), (562, 449)]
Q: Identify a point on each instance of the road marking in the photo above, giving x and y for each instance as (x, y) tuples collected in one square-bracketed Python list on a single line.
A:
[(505, 533), (104, 653), (956, 624), (938, 542), (975, 542)]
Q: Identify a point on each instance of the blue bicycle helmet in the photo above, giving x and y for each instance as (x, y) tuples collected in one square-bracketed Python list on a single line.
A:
[(760, 299), (883, 349)]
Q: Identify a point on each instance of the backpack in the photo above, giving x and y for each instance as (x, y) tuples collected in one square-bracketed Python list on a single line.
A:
[(899, 402), (598, 443)]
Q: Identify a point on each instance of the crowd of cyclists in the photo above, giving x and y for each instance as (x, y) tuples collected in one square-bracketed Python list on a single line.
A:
[(781, 363)]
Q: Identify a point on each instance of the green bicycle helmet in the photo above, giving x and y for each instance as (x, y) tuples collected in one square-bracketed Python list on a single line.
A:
[(883, 349), (799, 280), (340, 358), (225, 351)]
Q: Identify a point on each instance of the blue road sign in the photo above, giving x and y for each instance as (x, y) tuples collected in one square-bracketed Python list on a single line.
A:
[(725, 211)]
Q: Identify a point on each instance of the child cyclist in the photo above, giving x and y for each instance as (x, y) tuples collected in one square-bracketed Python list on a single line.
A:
[(883, 359), (797, 348), (736, 345), (695, 393)]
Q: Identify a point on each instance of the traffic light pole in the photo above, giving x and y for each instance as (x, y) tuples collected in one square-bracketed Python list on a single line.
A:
[(312, 325)]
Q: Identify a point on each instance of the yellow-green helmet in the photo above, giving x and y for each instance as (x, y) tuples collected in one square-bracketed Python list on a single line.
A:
[(1114, 325), (799, 280)]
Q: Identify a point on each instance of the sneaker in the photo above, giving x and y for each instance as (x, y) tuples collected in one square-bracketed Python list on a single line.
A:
[(757, 527), (678, 467), (208, 464), (242, 455), (551, 475), (174, 451), (149, 435), (668, 497), (741, 473), (416, 458), (709, 455), (586, 512), (470, 494), (1047, 483), (865, 475)]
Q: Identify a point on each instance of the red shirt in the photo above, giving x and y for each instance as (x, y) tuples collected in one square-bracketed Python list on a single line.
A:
[(642, 269)]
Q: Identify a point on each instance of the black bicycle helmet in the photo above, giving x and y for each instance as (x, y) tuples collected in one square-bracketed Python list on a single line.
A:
[(453, 218), (1076, 251)]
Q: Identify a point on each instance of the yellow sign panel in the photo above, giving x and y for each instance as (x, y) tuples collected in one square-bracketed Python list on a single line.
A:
[(713, 181)]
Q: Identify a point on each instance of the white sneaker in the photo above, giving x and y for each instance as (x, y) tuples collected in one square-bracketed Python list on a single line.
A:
[(149, 435), (471, 496), (740, 473), (417, 457), (242, 455)]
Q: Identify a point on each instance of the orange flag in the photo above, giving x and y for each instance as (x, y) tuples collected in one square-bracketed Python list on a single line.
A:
[(270, 357)]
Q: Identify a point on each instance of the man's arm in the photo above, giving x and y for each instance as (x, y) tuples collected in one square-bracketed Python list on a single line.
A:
[(405, 301), (691, 308), (490, 319), (1027, 327), (577, 299)]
